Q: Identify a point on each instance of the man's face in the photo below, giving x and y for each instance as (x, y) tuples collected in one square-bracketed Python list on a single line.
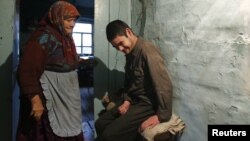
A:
[(68, 25), (124, 43)]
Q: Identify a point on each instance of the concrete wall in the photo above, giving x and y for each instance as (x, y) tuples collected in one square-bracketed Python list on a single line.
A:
[(7, 40), (108, 74), (206, 44)]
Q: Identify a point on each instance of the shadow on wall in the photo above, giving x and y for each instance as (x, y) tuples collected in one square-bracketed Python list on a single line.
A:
[(6, 99), (107, 81)]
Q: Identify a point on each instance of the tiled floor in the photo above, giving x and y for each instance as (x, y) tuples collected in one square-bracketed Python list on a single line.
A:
[(87, 95)]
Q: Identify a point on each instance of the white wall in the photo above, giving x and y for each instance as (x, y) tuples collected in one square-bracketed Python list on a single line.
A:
[(206, 44)]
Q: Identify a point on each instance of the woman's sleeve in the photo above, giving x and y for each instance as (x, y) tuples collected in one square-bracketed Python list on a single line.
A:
[(31, 67)]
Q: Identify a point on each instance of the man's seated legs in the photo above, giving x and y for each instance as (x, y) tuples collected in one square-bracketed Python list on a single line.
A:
[(112, 126)]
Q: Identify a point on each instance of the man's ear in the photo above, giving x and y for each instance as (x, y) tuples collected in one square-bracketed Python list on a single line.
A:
[(129, 32)]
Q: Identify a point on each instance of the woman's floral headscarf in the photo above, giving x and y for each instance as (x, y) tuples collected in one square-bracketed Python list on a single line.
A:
[(53, 22), (60, 11)]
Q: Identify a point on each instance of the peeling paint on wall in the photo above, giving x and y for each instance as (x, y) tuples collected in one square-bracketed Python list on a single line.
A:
[(206, 46)]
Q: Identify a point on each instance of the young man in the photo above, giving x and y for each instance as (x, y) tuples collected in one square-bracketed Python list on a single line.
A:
[(148, 89)]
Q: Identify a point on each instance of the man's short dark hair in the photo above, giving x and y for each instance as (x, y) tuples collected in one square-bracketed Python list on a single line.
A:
[(114, 28)]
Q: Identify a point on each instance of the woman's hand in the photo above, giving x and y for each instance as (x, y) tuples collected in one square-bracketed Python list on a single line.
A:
[(37, 107)]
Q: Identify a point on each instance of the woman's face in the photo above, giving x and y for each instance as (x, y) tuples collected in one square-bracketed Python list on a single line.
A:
[(68, 25)]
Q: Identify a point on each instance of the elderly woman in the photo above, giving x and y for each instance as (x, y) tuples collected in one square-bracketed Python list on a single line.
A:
[(50, 104)]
